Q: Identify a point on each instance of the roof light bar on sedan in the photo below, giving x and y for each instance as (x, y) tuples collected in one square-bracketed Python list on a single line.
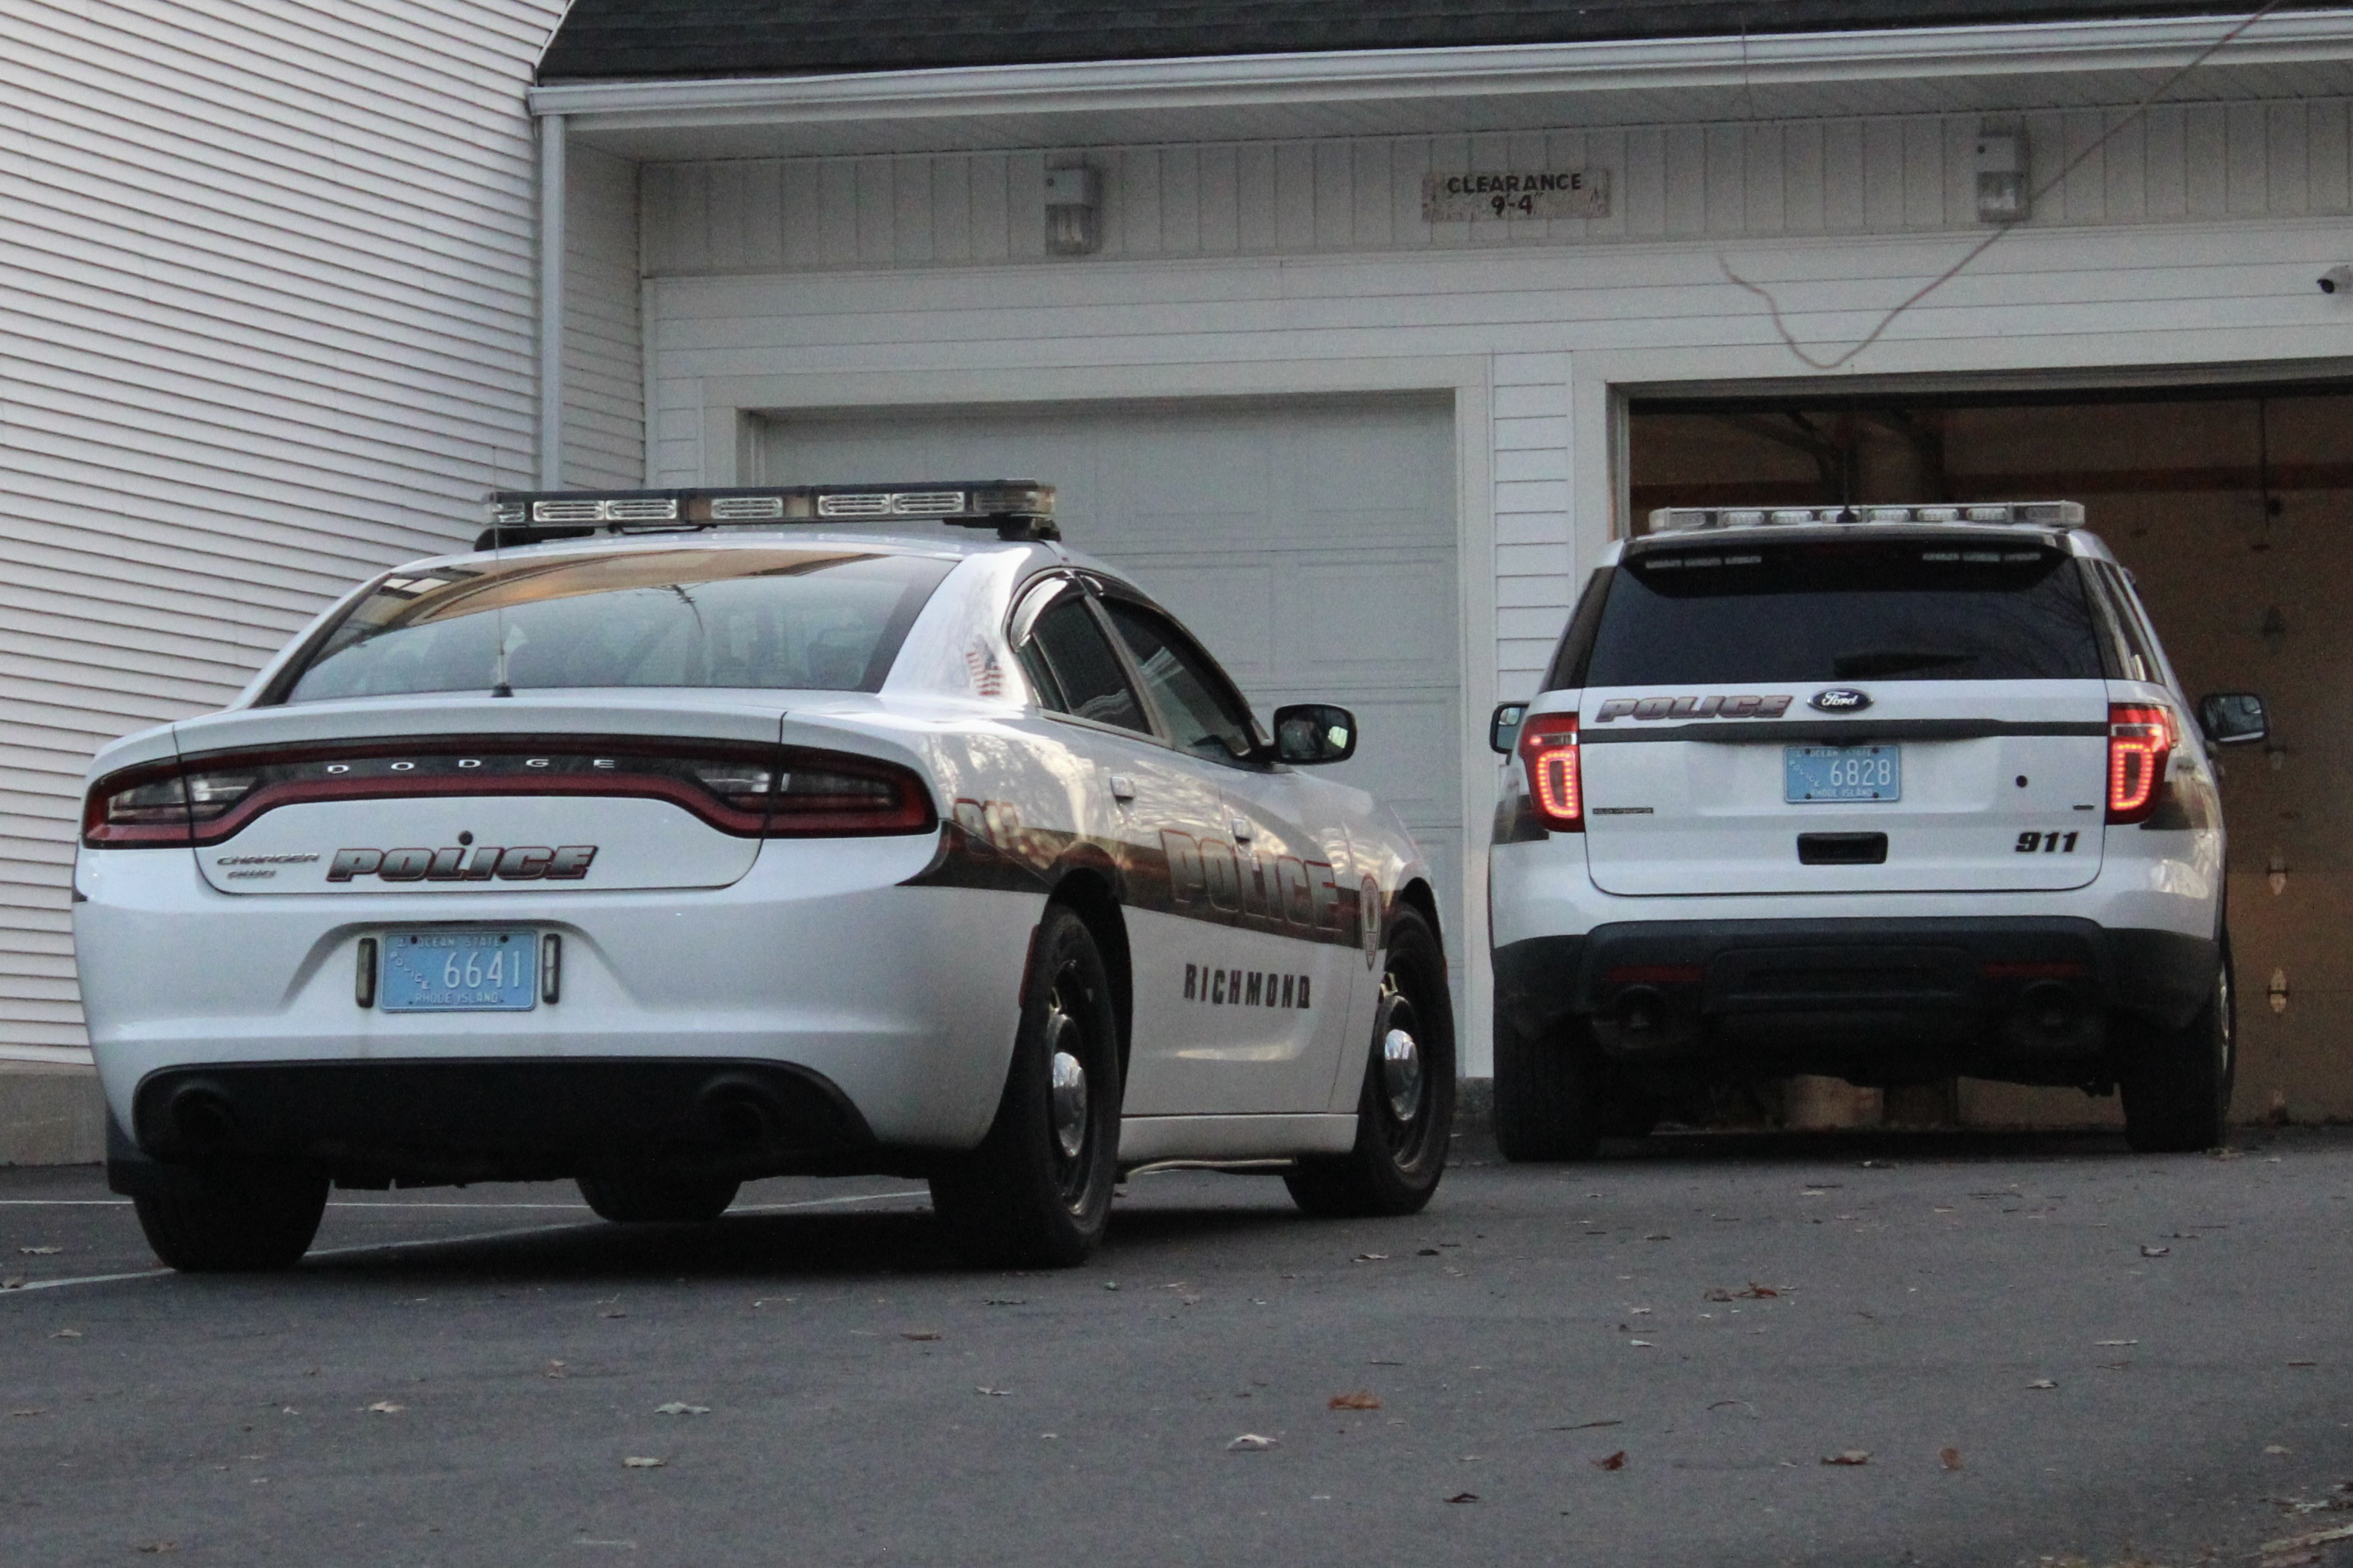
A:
[(1016, 509), (2035, 513)]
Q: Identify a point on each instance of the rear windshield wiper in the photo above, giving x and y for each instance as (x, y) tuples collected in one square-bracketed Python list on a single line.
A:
[(1887, 661)]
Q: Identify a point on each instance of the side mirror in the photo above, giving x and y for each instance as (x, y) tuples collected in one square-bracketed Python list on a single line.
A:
[(1311, 733), (2233, 718), (1503, 729)]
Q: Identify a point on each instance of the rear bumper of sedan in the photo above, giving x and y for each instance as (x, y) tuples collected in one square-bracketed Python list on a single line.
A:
[(2020, 998), (817, 1014)]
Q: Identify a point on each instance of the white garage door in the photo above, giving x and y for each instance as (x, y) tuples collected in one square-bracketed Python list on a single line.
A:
[(1310, 543)]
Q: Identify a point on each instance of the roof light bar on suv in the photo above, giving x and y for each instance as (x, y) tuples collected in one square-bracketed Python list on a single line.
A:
[(2034, 513), (1016, 509)]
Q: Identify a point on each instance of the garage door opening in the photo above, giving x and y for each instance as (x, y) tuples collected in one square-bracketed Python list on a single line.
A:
[(2233, 507), (1310, 543)]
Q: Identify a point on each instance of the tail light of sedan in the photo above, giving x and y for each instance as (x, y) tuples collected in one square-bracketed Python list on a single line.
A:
[(748, 792)]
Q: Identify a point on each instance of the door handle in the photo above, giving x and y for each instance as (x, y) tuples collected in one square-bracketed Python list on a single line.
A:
[(1241, 826), (1122, 787)]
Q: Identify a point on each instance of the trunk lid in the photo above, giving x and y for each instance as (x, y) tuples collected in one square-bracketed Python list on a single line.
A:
[(472, 794)]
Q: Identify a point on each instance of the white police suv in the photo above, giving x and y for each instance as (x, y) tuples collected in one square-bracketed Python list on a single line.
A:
[(674, 838), (1892, 793)]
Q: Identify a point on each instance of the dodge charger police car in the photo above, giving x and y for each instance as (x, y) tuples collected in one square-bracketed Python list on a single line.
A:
[(1892, 793), (670, 839)]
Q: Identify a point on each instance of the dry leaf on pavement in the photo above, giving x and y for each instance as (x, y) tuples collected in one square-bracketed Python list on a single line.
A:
[(1848, 1456), (386, 1407), (1464, 1497), (1616, 1461), (641, 1462), (1363, 1399), (919, 1333), (1250, 1443), (1949, 1457), (681, 1407), (2042, 1383), (2155, 1251), (40, 1251)]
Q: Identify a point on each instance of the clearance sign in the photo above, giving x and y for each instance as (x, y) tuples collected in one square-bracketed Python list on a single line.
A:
[(1518, 194)]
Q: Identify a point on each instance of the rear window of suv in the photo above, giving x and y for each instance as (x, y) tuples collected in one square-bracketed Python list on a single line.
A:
[(1862, 609)]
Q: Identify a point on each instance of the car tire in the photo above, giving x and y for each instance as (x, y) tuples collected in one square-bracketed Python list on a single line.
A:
[(1037, 1193), (1551, 1101), (231, 1219), (657, 1198), (1404, 1112), (2177, 1093)]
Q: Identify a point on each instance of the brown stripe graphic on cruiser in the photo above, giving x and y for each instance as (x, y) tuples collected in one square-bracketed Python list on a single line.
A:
[(985, 845)]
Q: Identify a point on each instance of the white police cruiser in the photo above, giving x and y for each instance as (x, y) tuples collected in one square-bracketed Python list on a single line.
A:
[(1891, 794), (675, 839)]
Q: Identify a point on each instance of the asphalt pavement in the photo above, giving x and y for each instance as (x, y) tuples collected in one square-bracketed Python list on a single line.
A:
[(1704, 1350)]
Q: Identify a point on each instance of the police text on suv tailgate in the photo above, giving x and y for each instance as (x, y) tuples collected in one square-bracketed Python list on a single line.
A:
[(1893, 793)]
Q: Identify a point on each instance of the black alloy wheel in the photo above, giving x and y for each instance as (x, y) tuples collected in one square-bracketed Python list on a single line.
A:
[(1404, 1113), (2176, 1089), (231, 1219), (657, 1198), (1037, 1193)]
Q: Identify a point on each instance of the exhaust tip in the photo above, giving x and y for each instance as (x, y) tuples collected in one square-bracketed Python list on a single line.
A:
[(2050, 1009), (203, 1120), (1640, 1010), (740, 1113)]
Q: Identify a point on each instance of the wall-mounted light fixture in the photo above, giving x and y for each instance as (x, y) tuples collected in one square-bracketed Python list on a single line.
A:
[(1073, 210), (2001, 176)]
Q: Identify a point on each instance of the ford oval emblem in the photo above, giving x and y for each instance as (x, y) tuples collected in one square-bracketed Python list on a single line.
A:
[(1839, 699)]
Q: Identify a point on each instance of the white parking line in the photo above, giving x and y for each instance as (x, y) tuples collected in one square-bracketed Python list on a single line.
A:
[(447, 1240)]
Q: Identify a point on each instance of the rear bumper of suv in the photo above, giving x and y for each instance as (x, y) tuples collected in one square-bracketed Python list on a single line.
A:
[(2023, 998)]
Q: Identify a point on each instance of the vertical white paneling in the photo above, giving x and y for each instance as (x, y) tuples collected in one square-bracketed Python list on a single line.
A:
[(1530, 482), (1842, 177), (604, 374), (2167, 175), (1923, 173), (910, 212), (266, 322), (2248, 131), (952, 208), (1802, 201), (2324, 157), (1890, 175), (1683, 171), (1764, 199), (2288, 193), (1882, 175), (2206, 168)]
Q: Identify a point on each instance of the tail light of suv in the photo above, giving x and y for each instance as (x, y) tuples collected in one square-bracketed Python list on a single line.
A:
[(2141, 738), (748, 792), (1556, 777)]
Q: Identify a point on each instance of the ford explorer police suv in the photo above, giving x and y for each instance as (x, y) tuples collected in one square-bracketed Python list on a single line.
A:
[(1891, 794), (670, 839)]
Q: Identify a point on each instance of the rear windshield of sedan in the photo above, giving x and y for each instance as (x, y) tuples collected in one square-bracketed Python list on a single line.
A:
[(1889, 609), (828, 620)]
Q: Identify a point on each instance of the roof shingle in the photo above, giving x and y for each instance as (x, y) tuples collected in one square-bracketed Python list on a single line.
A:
[(630, 39)]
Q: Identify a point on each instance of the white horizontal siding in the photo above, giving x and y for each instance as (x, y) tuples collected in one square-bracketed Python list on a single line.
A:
[(1882, 175), (266, 325)]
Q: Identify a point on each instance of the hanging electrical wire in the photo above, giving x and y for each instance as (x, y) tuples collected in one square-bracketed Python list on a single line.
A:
[(1773, 305)]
